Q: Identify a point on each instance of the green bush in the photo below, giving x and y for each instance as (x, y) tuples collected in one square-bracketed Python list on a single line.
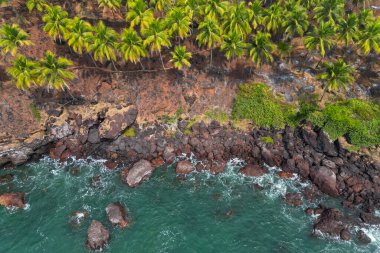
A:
[(217, 115), (129, 132), (35, 111), (172, 119), (256, 103), (357, 120)]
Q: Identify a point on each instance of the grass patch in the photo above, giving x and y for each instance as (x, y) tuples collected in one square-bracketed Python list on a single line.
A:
[(267, 140), (35, 112), (256, 103), (129, 132), (190, 123), (357, 120), (217, 115), (172, 119)]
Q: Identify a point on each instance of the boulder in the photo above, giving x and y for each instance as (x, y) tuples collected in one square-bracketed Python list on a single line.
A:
[(327, 146), (363, 238), (14, 199), (285, 174), (184, 167), (97, 236), (6, 178), (93, 136), (251, 170), (345, 235), (332, 222), (116, 215), (325, 179), (271, 158), (116, 121), (217, 167), (294, 199), (141, 170), (370, 218), (110, 164)]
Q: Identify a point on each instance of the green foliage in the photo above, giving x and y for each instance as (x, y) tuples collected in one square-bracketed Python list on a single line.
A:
[(357, 120), (180, 57), (256, 103), (129, 132), (103, 42), (36, 4), (131, 46), (217, 115), (35, 111), (267, 140), (78, 32), (261, 48), (55, 21), (11, 38), (24, 72), (173, 119)]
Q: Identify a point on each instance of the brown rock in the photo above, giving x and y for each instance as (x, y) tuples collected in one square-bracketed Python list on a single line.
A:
[(217, 167), (16, 199), (6, 178), (325, 179), (294, 199), (184, 167), (345, 235), (116, 121), (331, 222), (363, 238), (97, 236), (140, 171), (285, 174), (116, 215), (251, 170), (157, 162), (111, 165)]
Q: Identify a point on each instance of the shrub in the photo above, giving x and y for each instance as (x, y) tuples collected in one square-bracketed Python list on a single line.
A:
[(217, 115), (256, 103), (35, 111), (129, 132)]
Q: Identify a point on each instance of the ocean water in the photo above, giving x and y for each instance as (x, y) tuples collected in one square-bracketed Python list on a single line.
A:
[(204, 213)]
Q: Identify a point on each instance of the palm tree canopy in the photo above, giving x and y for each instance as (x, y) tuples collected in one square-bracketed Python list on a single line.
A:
[(109, 4), (320, 38), (178, 21), (53, 71), (131, 46), (261, 48), (329, 11), (77, 33), (296, 22), (210, 33), (233, 45), (35, 4), (161, 5), (138, 14), (214, 8), (238, 19), (348, 29), (369, 38), (102, 43), (24, 72), (12, 37), (55, 21), (257, 13), (273, 17), (156, 36), (336, 75), (180, 57)]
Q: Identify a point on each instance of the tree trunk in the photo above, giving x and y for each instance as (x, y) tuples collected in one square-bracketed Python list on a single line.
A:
[(92, 58), (323, 94), (162, 62), (142, 66), (319, 62), (211, 58), (114, 65)]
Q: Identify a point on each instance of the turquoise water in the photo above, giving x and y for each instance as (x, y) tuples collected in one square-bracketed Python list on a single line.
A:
[(204, 213)]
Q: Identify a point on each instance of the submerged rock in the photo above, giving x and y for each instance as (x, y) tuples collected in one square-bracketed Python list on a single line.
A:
[(333, 223), (116, 215), (294, 199), (140, 171), (363, 238), (251, 170), (6, 178), (184, 167), (97, 236), (15, 199), (76, 218)]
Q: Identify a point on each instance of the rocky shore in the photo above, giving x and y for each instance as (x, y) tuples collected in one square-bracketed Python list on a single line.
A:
[(304, 150)]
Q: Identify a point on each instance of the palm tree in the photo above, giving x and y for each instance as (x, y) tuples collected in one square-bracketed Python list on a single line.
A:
[(233, 45), (369, 38), (55, 21), (214, 8), (238, 20), (139, 14), (161, 5), (180, 57), (320, 38), (113, 5), (12, 37), (131, 46), (36, 4), (23, 71), (156, 37), (365, 17), (362, 2), (261, 48), (210, 34), (296, 22), (178, 21), (348, 29), (273, 17), (77, 33), (336, 75), (54, 72), (284, 49), (257, 13), (329, 10), (102, 43), (309, 4)]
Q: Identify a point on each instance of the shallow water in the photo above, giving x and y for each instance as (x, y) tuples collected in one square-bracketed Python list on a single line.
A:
[(204, 213)]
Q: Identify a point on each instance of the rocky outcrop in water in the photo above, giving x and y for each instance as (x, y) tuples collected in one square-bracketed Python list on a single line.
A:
[(251, 170), (97, 236), (116, 215), (333, 223), (140, 171), (14, 199), (184, 167)]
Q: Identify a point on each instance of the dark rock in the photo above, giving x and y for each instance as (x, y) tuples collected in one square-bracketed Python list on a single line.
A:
[(169, 154), (270, 158), (363, 238), (309, 211), (303, 168), (184, 167), (75, 171), (294, 199), (309, 136), (217, 167), (96, 181), (116, 121), (76, 218), (332, 222), (110, 164), (116, 215), (251, 170), (157, 162), (285, 174), (93, 136), (6, 178), (14, 199), (326, 146), (140, 171), (370, 218), (55, 153), (345, 235), (325, 179), (97, 236)]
